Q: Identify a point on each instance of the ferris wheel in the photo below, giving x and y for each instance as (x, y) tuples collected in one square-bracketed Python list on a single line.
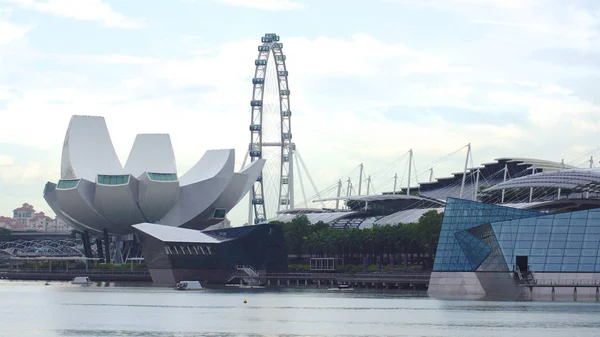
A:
[(271, 133)]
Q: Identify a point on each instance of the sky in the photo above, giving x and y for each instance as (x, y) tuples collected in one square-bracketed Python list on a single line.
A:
[(369, 80)]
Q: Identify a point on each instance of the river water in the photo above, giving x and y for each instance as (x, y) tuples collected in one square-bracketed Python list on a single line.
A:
[(62, 309)]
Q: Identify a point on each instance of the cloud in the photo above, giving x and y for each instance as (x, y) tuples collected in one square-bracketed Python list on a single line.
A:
[(10, 32), (269, 5), (105, 58), (354, 99), (84, 10), (471, 4), (5, 160)]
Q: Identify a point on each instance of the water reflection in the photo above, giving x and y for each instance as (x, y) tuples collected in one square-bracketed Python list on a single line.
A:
[(62, 309)]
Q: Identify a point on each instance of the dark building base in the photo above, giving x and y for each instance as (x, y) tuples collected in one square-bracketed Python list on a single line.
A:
[(260, 247)]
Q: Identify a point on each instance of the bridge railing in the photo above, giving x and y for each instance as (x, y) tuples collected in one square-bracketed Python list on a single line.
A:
[(420, 277), (77, 271), (563, 283)]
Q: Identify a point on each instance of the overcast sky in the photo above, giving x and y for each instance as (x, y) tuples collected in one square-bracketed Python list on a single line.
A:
[(369, 80)]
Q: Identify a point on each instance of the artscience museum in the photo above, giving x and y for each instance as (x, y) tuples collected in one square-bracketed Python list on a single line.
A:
[(96, 193), (100, 197)]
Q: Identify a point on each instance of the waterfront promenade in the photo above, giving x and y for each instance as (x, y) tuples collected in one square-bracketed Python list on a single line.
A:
[(396, 280)]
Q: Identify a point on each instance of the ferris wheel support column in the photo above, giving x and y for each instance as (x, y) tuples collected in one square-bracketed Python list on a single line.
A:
[(291, 177), (250, 208)]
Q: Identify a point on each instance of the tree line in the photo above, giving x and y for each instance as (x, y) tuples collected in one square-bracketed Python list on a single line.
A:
[(401, 244)]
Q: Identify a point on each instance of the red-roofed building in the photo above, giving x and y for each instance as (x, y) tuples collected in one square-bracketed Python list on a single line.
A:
[(6, 222), (26, 218)]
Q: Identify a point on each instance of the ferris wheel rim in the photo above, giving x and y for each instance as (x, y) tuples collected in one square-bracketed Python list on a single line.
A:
[(271, 46)]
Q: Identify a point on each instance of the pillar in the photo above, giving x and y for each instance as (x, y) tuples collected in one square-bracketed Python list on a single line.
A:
[(106, 246), (553, 293), (99, 249), (575, 294), (531, 293), (87, 249)]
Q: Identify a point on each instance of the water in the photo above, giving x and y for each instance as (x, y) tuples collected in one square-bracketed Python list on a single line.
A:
[(62, 309)]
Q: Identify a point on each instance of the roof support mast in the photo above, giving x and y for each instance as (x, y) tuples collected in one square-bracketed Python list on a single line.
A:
[(360, 175), (462, 186), (339, 194), (533, 171), (410, 158), (476, 189), (368, 185), (504, 180), (395, 182), (349, 189)]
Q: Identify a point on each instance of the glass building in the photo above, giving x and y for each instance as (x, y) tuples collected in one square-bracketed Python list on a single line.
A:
[(484, 242)]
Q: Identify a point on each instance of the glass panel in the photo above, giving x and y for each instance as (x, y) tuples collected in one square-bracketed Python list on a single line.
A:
[(67, 183), (575, 237), (587, 260), (560, 229), (552, 267), (557, 244), (586, 267), (113, 179), (162, 176), (538, 251)]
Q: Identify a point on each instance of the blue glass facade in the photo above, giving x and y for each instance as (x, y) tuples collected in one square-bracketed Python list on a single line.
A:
[(485, 237), (453, 253)]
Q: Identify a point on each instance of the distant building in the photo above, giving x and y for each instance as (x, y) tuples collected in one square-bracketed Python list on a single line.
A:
[(26, 218), (24, 213)]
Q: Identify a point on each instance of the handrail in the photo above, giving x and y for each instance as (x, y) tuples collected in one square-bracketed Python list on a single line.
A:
[(569, 282), (78, 271)]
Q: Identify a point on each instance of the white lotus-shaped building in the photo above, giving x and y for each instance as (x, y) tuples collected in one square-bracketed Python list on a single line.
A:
[(96, 193)]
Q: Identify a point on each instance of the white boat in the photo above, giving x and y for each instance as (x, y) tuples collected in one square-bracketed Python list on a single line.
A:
[(188, 285), (341, 287), (84, 280)]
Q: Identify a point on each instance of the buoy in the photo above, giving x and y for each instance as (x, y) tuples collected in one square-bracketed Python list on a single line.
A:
[(245, 301)]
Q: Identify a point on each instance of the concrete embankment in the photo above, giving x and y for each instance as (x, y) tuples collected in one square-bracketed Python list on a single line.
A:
[(413, 280), (68, 275)]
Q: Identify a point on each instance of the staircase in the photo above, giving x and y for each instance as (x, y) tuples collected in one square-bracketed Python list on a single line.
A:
[(248, 270), (524, 277), (247, 275)]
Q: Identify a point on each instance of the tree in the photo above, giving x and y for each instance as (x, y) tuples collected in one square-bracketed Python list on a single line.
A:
[(295, 233), (5, 231), (369, 244)]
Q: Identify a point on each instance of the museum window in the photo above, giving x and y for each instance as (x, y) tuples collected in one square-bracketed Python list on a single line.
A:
[(162, 176), (220, 213), (67, 183), (113, 179)]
